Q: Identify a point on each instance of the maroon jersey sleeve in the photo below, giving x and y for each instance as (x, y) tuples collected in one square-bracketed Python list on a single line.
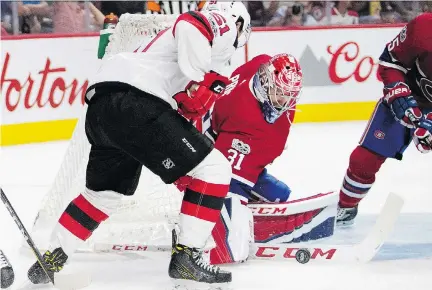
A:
[(402, 52)]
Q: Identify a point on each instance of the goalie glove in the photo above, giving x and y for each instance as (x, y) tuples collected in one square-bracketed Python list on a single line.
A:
[(198, 98), (402, 104), (423, 134)]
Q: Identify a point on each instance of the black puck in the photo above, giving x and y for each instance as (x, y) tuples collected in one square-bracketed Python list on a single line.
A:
[(303, 256)]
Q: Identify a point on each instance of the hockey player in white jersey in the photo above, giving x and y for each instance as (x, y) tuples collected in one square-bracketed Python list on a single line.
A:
[(135, 105)]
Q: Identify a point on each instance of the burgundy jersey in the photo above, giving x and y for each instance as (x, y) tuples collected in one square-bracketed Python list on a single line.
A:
[(241, 132), (408, 58)]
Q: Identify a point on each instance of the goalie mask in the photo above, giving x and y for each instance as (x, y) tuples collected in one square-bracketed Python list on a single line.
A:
[(239, 14), (277, 85)]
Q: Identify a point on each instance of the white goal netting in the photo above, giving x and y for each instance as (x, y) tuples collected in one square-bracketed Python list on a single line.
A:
[(145, 218)]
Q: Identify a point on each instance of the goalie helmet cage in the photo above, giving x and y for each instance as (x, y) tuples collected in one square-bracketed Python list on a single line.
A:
[(148, 216)]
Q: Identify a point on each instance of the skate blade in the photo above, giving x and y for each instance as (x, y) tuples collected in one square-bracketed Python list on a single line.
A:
[(344, 225), (179, 284)]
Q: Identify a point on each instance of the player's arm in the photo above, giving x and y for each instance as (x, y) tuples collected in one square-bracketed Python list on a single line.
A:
[(194, 38), (398, 57)]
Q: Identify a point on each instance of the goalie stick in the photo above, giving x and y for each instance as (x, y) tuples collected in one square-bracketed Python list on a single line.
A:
[(362, 252), (61, 281)]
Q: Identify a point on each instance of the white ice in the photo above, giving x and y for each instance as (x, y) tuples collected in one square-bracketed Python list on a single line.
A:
[(315, 161)]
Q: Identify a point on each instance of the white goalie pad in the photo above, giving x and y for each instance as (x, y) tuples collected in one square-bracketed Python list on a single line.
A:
[(233, 233)]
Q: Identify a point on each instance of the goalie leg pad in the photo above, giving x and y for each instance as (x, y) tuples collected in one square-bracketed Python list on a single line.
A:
[(233, 232), (299, 220), (360, 176), (82, 217)]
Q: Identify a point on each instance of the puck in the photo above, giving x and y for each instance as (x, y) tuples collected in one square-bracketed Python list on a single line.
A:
[(303, 256)]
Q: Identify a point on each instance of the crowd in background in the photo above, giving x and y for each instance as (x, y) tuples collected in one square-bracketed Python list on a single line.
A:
[(20, 17)]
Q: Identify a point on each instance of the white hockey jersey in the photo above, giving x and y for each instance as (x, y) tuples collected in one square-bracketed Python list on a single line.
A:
[(163, 66)]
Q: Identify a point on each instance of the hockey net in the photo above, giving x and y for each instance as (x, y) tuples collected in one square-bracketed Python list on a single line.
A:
[(145, 218)]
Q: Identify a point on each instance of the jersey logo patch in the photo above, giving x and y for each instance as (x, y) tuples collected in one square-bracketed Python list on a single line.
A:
[(240, 146)]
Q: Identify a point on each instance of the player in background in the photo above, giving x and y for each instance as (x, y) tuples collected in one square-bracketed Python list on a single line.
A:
[(402, 115), (133, 120), (250, 126), (7, 275)]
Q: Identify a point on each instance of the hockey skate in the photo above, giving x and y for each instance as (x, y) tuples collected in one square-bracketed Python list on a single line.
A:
[(7, 275), (189, 264), (346, 216), (55, 262)]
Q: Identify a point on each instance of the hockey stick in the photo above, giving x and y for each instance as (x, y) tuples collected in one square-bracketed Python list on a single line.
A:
[(70, 281), (302, 252)]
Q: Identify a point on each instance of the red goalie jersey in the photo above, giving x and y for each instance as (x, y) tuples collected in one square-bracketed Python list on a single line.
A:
[(241, 131)]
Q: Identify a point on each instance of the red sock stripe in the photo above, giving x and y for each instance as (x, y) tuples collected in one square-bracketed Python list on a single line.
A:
[(201, 212), (74, 227), (89, 209), (218, 190)]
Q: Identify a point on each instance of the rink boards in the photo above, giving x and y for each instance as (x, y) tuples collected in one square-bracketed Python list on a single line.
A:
[(43, 78)]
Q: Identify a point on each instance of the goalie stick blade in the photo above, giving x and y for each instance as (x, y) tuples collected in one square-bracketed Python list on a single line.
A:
[(361, 252), (384, 225)]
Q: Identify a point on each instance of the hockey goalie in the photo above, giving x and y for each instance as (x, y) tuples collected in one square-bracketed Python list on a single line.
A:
[(250, 125)]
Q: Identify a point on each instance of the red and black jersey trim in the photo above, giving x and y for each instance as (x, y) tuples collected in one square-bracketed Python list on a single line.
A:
[(209, 201), (199, 21)]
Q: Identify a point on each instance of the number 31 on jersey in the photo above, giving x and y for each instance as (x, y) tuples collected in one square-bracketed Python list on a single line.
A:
[(237, 153)]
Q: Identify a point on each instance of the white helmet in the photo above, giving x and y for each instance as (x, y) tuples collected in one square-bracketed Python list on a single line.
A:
[(239, 13)]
